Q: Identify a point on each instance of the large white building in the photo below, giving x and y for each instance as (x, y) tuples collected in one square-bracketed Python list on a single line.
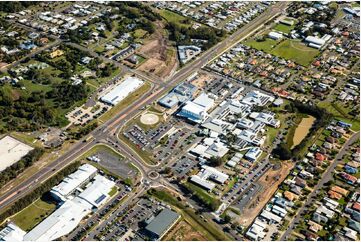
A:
[(208, 174), (61, 222), (196, 110), (11, 151), (73, 208), (73, 181), (121, 91), (257, 98)]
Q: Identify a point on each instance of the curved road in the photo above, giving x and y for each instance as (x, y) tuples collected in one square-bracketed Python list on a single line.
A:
[(109, 128)]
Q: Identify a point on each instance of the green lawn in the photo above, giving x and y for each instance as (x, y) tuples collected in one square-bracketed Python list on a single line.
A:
[(202, 194), (335, 111), (113, 191), (266, 45), (295, 51), (284, 28), (173, 17), (29, 217)]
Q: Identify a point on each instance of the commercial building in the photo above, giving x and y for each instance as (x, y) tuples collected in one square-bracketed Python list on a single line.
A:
[(196, 110), (11, 151), (257, 98), (12, 233), (253, 154), (121, 91), (187, 52), (97, 191), (267, 118), (275, 35), (208, 174), (61, 222), (179, 95), (162, 223), (73, 181)]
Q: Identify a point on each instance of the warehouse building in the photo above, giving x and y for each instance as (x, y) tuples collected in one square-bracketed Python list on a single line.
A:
[(121, 91), (61, 222), (73, 181), (12, 233), (11, 151), (196, 110), (162, 223), (179, 95), (275, 35)]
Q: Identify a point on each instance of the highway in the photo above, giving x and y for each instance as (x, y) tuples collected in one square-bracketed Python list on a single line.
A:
[(110, 128)]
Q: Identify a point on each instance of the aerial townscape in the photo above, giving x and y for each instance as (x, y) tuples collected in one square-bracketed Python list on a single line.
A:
[(179, 120)]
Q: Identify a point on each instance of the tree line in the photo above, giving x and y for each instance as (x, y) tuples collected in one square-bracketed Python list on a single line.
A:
[(283, 151), (39, 191), (14, 170)]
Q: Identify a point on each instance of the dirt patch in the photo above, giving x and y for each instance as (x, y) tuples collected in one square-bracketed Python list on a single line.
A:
[(202, 80), (161, 57), (269, 182), (302, 130), (184, 232)]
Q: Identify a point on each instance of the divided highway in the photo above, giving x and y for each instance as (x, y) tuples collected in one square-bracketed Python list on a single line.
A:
[(110, 128)]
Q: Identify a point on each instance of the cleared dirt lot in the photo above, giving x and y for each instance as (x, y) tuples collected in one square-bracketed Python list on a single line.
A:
[(161, 57), (184, 232), (269, 182)]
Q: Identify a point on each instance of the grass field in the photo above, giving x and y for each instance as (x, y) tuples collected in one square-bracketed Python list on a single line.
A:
[(295, 51), (341, 116), (173, 17), (202, 194), (29, 217), (266, 45), (284, 28)]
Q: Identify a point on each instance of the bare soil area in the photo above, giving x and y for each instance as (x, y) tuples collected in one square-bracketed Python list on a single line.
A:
[(161, 56), (269, 181), (184, 232)]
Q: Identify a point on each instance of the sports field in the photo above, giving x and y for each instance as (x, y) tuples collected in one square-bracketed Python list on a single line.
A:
[(295, 51)]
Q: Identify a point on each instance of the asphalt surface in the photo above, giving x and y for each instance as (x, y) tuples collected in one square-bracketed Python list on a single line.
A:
[(327, 176), (109, 129)]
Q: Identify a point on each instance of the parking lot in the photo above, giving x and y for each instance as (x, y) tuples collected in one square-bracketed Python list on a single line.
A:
[(184, 165), (114, 163)]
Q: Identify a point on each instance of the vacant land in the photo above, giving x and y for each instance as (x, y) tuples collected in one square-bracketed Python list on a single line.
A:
[(183, 231), (173, 17), (264, 45), (161, 56), (29, 217), (284, 28), (295, 51), (269, 182)]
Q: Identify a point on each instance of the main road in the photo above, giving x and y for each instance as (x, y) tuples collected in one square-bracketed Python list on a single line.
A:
[(110, 128)]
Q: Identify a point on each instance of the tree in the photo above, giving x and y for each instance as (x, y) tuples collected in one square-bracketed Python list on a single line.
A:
[(282, 152), (227, 219), (215, 161)]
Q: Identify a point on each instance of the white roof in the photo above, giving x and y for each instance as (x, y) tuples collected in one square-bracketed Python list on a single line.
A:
[(74, 180), (257, 98), (253, 153), (12, 233), (11, 151), (122, 90), (208, 172), (204, 101), (202, 182), (271, 216), (97, 191), (315, 40), (217, 149), (60, 222)]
